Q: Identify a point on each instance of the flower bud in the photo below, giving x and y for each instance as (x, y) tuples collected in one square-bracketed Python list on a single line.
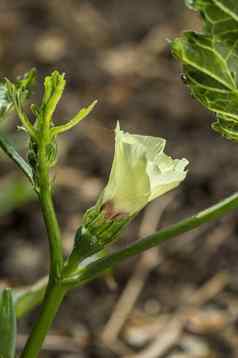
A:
[(141, 172)]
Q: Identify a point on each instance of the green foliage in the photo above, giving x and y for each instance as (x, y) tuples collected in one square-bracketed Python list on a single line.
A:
[(7, 325), (5, 102), (83, 113), (54, 85), (210, 62), (211, 70), (42, 129), (22, 87), (10, 150), (17, 93)]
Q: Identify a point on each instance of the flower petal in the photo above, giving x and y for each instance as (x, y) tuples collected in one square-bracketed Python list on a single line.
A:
[(129, 185), (166, 174), (141, 171)]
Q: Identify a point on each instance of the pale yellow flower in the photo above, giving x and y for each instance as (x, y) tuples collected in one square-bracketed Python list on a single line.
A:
[(141, 172)]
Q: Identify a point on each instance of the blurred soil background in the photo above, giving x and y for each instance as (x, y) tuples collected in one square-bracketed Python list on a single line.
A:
[(180, 300)]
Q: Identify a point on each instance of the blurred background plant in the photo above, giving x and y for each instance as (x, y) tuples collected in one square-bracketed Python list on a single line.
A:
[(117, 52)]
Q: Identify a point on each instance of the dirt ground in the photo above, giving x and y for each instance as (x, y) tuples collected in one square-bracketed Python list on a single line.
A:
[(180, 300)]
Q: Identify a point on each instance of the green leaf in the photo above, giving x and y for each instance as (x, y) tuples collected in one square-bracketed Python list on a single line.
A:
[(83, 113), (7, 325), (53, 89), (210, 62), (5, 102), (27, 81), (10, 150), (17, 94), (23, 86)]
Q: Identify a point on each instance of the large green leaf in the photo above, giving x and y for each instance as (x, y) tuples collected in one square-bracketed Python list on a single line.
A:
[(210, 62)]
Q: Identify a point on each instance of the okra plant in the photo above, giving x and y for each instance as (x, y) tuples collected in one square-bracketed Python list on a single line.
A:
[(141, 171)]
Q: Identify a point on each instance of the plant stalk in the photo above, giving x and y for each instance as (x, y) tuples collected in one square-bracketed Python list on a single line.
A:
[(55, 291), (53, 231), (52, 301), (99, 266), (48, 210)]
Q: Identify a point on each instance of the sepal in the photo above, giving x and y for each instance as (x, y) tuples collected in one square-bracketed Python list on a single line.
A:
[(95, 233)]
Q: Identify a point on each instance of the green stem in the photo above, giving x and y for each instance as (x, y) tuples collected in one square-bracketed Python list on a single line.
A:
[(47, 207), (32, 294), (53, 231), (96, 268), (53, 299), (26, 123), (55, 291)]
